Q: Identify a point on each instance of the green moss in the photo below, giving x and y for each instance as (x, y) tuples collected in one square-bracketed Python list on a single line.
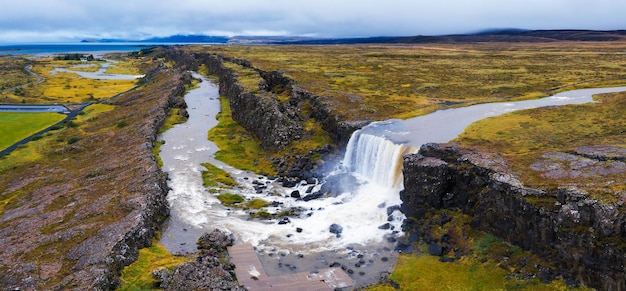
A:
[(138, 275), (261, 214), (237, 147), (229, 199), (172, 119), (484, 244), (214, 177), (423, 272), (156, 151), (248, 78), (257, 203)]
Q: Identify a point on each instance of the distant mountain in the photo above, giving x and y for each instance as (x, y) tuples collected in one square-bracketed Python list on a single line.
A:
[(492, 35), (171, 39)]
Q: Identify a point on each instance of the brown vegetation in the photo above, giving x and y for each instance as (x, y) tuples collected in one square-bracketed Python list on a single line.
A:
[(66, 216)]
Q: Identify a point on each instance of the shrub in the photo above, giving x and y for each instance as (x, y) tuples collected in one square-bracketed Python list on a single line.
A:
[(72, 140)]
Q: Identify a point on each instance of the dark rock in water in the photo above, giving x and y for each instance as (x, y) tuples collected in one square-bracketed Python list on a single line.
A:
[(310, 197), (295, 194), (337, 184), (298, 229), (434, 249), (284, 220), (335, 265), (310, 189), (336, 229), (385, 226), (207, 272), (391, 209), (289, 183)]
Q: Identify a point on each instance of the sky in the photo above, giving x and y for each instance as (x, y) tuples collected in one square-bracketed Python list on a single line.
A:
[(71, 20)]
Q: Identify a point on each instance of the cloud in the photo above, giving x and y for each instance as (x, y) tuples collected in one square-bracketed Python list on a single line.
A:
[(66, 19)]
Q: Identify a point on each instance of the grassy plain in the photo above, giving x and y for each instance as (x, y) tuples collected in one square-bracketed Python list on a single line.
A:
[(424, 272), (385, 81), (522, 137), (15, 126), (65, 87)]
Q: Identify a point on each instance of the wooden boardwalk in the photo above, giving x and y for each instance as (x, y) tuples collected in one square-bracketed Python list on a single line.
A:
[(250, 274)]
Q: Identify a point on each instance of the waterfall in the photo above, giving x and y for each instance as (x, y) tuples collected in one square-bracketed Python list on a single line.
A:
[(376, 159)]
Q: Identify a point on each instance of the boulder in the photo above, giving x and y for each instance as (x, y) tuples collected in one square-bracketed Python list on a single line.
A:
[(336, 229)]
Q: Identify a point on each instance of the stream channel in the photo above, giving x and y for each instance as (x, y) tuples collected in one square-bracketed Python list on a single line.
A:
[(358, 229)]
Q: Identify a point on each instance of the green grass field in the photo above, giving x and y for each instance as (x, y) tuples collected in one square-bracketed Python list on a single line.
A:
[(17, 126)]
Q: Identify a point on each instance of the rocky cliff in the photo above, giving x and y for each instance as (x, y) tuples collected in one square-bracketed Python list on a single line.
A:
[(583, 237), (275, 123), (77, 217)]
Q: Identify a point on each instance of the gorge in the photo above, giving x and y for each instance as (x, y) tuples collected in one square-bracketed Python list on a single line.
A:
[(374, 157)]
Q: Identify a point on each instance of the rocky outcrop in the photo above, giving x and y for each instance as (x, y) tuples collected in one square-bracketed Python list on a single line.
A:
[(583, 237), (211, 270)]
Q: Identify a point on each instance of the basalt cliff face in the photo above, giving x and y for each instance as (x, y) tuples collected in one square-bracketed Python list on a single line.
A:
[(276, 121), (276, 124), (584, 238)]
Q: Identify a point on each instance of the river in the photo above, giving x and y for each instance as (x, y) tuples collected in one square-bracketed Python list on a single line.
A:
[(99, 74), (367, 215)]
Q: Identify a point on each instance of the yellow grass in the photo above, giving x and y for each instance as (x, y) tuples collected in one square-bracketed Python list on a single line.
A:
[(66, 87)]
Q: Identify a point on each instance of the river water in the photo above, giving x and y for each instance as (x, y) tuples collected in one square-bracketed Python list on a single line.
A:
[(33, 108), (100, 73), (367, 213)]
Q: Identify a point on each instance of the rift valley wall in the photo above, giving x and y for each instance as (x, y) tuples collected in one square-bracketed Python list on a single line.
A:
[(87, 209), (584, 238), (276, 124)]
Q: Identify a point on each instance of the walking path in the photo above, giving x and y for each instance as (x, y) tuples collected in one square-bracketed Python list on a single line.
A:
[(250, 274), (27, 69)]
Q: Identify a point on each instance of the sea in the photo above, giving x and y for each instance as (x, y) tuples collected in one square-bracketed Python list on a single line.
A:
[(44, 49)]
